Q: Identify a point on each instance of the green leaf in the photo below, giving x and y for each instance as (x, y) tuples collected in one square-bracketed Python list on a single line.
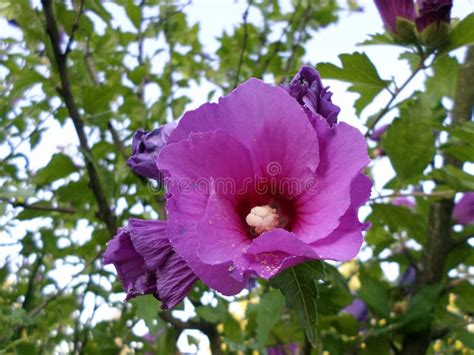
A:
[(212, 314), (268, 314), (443, 81), (397, 219), (461, 35), (232, 329), (374, 293), (410, 143), (58, 167), (458, 179), (419, 314), (147, 309), (361, 72), (380, 38), (133, 12), (298, 286)]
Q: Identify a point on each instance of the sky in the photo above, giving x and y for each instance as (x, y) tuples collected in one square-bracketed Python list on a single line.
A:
[(215, 16)]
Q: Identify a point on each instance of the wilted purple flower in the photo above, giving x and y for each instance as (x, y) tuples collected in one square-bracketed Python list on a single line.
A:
[(377, 134), (358, 309), (147, 264), (463, 212), (433, 12), (392, 10), (253, 188), (145, 149), (307, 88), (283, 349), (403, 201)]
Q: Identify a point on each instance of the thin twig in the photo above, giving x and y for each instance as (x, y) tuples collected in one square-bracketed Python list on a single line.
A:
[(244, 43), (67, 210), (388, 107), (75, 27), (284, 32)]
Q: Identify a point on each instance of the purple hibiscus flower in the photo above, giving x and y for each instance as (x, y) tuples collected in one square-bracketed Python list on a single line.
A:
[(255, 184), (463, 212), (287, 349), (404, 201), (358, 309), (429, 12)]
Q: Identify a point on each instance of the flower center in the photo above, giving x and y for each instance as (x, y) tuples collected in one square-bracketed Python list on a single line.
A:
[(263, 219)]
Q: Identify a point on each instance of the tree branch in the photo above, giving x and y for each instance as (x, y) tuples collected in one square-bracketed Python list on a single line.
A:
[(439, 241), (244, 43), (105, 212), (75, 27), (67, 210)]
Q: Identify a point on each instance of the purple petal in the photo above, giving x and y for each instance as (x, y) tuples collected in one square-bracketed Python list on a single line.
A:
[(343, 157), (463, 212), (345, 241), (145, 148), (306, 87), (358, 309), (433, 12), (147, 264), (266, 120), (391, 9), (377, 134), (130, 266), (409, 277), (403, 201)]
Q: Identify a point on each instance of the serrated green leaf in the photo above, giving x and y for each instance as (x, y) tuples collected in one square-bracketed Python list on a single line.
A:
[(410, 143), (361, 72), (58, 167), (461, 35), (299, 289)]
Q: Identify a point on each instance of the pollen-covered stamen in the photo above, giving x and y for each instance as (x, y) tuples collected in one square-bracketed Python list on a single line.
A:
[(263, 219)]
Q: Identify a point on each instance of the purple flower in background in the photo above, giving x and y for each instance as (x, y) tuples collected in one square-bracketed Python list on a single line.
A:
[(408, 278), (255, 184), (392, 10), (307, 88), (403, 201), (429, 12), (378, 132), (463, 212), (291, 349), (145, 149), (433, 12), (358, 309)]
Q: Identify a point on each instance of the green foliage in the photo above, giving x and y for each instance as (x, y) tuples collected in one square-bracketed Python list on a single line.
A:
[(268, 314), (358, 70), (299, 286), (461, 35), (137, 64), (410, 142)]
